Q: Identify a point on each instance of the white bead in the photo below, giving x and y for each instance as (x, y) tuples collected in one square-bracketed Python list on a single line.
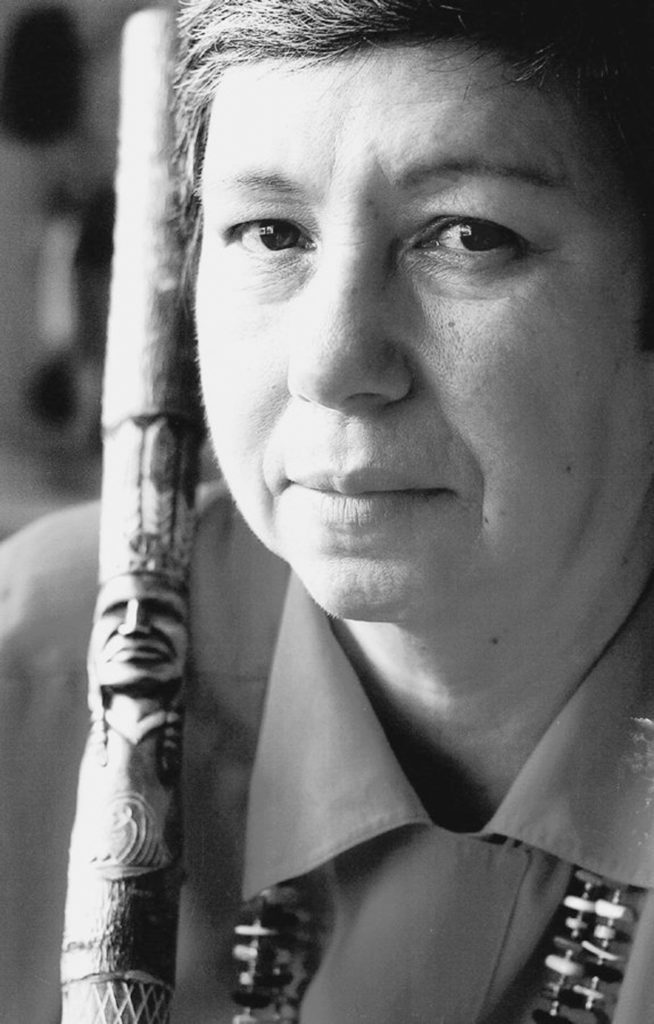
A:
[(561, 965), (245, 952), (613, 911), (254, 929), (601, 954), (577, 903), (591, 995), (576, 924)]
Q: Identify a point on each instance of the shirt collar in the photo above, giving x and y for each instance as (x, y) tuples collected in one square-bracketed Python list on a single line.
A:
[(586, 794), (326, 779)]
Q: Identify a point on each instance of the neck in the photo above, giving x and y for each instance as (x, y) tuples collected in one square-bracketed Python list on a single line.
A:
[(466, 705)]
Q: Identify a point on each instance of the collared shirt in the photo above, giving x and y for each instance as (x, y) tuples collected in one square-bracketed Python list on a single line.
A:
[(431, 925), (428, 925)]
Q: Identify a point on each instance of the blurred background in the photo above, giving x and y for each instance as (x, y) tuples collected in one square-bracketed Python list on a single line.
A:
[(58, 115)]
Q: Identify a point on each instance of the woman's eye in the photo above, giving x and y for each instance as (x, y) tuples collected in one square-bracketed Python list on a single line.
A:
[(474, 236), (273, 235)]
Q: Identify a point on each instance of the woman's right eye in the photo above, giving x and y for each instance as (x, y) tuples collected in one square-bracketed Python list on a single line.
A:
[(273, 235)]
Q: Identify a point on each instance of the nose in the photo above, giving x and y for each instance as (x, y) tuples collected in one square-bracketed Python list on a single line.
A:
[(136, 619), (345, 353)]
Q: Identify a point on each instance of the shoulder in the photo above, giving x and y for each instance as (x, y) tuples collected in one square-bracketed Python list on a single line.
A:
[(48, 585)]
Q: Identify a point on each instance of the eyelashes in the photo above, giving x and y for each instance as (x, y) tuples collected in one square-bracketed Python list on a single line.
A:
[(271, 236), (473, 235), (455, 235)]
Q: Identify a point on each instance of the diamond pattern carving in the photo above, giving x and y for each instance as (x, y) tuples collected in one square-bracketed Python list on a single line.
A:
[(116, 1002)]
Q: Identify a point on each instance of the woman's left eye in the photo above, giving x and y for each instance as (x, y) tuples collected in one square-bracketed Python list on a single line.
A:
[(273, 235), (473, 236)]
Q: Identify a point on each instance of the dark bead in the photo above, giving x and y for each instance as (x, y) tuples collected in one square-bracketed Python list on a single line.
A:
[(565, 945), (277, 917), (254, 999), (575, 1000), (588, 878), (605, 972), (275, 979), (544, 1017)]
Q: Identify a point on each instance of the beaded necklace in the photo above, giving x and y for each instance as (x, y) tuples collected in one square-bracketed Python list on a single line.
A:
[(586, 965), (277, 949)]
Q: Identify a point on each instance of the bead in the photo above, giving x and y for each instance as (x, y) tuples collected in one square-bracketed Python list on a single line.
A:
[(274, 958), (576, 924), (579, 903), (543, 1017), (613, 911), (590, 996), (566, 945), (277, 917), (562, 965), (589, 878), (601, 954), (581, 997), (619, 937), (605, 973), (245, 952), (276, 979), (255, 930), (254, 998), (588, 958), (604, 932)]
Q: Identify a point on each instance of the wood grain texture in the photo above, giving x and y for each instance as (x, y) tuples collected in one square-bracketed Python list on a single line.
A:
[(125, 864), (150, 358)]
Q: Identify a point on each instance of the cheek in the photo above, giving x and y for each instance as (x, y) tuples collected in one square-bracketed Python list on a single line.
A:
[(243, 385), (531, 384), (537, 367), (494, 383)]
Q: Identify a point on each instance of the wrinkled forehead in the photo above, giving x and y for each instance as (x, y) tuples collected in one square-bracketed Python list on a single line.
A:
[(404, 106)]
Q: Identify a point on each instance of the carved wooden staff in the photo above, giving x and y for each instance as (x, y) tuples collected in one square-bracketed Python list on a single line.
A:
[(125, 859)]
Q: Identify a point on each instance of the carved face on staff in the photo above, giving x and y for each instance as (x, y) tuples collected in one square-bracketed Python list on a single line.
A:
[(139, 636)]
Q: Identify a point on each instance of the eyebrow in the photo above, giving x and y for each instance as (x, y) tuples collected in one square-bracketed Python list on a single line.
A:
[(252, 182), (527, 173), (414, 177)]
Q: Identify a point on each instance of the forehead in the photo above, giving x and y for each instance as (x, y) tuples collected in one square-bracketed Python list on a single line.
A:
[(401, 110), (149, 592)]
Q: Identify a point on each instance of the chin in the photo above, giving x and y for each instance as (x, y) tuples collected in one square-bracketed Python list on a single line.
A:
[(350, 590)]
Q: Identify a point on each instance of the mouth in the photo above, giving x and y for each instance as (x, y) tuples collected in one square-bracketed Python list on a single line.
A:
[(338, 506), (366, 483), (136, 652)]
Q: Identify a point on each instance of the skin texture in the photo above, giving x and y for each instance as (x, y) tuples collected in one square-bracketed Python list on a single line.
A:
[(419, 302)]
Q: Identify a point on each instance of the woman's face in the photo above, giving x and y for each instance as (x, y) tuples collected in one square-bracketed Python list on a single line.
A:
[(418, 310)]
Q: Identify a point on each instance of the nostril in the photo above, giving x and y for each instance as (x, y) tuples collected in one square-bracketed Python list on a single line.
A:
[(345, 375)]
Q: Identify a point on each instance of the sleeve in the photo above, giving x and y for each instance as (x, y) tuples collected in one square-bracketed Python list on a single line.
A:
[(47, 593)]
